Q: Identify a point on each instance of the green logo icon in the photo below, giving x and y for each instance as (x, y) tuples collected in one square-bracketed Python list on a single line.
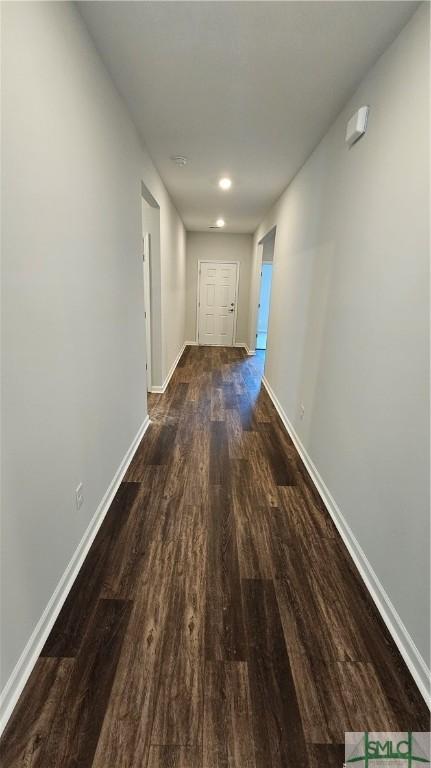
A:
[(370, 749)]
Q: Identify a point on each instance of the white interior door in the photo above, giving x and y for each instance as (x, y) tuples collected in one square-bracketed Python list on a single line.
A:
[(147, 302), (217, 302)]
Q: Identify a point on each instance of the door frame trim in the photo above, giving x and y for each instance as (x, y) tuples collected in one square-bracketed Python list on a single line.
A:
[(218, 261), (146, 268)]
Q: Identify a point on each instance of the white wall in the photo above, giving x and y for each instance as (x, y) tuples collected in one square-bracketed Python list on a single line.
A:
[(73, 342), (219, 246), (348, 329)]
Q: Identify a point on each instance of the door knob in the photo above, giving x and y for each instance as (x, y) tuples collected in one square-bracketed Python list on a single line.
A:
[(231, 310)]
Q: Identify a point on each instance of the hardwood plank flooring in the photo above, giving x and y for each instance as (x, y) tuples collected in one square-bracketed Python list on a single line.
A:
[(276, 720), (78, 718), (179, 707), (224, 626), (174, 757), (227, 735), (218, 620), (38, 705)]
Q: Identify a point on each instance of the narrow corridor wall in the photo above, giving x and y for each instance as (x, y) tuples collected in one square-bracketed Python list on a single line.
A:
[(348, 330), (73, 340)]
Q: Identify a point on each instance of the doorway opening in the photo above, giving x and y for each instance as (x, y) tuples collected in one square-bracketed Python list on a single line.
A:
[(147, 303), (268, 243), (152, 287), (263, 308)]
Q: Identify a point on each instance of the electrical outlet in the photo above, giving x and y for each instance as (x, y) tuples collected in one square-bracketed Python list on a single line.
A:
[(79, 496), (302, 411)]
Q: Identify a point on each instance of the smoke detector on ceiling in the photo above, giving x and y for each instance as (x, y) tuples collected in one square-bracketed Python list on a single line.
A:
[(180, 160)]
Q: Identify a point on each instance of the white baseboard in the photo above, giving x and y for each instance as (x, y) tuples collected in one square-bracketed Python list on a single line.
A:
[(388, 612), (160, 390), (191, 344), (14, 686), (244, 346)]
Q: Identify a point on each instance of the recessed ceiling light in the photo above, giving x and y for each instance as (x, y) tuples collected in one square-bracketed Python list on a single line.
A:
[(180, 160), (225, 183), (220, 222)]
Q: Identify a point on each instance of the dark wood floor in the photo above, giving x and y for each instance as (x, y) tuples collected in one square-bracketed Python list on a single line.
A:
[(218, 620)]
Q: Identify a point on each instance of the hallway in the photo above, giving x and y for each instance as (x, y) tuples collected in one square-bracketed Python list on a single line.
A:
[(218, 619)]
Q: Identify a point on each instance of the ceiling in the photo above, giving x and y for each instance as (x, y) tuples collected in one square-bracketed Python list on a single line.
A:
[(244, 89)]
